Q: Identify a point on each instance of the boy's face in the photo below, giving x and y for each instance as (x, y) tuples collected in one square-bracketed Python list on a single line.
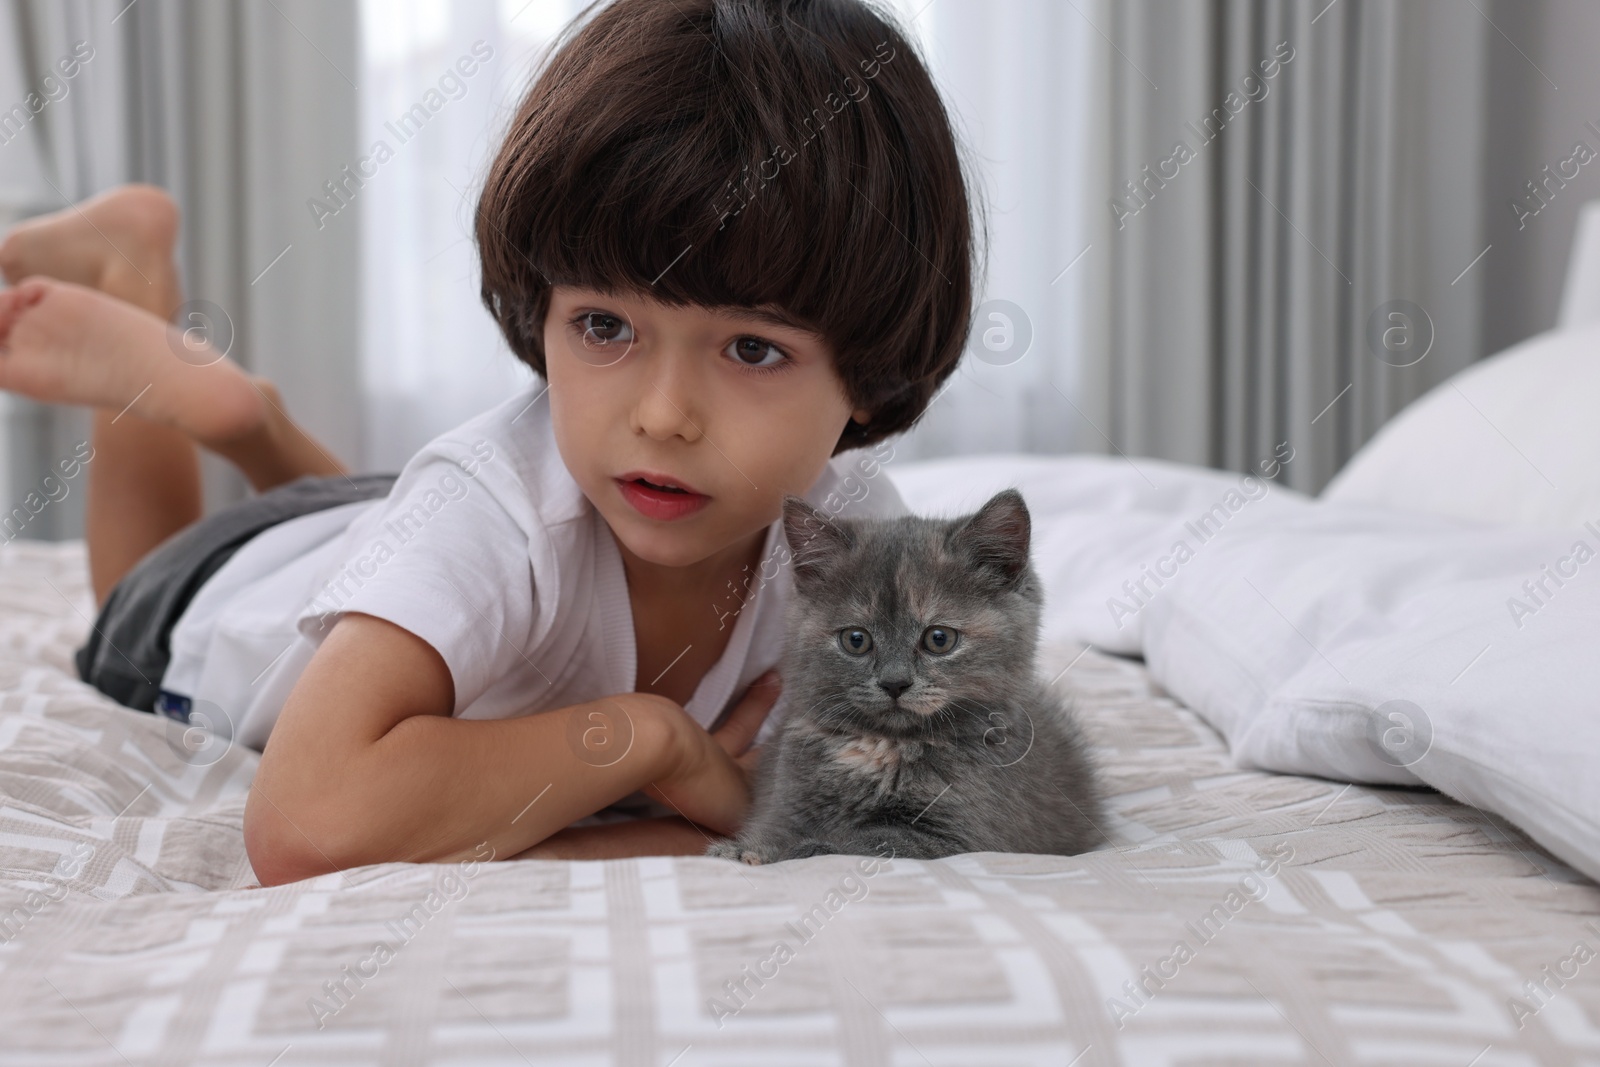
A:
[(737, 409)]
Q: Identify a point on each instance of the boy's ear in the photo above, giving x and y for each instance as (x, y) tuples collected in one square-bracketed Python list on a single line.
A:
[(814, 541), (997, 536)]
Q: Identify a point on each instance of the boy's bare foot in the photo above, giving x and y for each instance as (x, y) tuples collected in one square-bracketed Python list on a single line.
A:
[(120, 241), (65, 344)]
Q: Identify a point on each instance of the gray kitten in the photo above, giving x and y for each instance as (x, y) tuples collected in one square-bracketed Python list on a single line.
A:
[(916, 724)]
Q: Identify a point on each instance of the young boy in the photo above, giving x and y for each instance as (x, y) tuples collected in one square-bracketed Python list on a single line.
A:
[(733, 240)]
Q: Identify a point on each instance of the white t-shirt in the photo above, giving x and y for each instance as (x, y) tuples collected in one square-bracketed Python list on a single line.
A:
[(488, 550)]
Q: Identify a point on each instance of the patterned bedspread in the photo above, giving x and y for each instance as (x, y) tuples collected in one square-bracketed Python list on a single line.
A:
[(1230, 917)]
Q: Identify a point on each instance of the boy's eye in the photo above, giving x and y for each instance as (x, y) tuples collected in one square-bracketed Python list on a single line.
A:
[(757, 354), (602, 330)]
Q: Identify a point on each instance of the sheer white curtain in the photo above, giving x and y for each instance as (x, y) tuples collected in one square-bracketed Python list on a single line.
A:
[(1015, 75), (431, 356)]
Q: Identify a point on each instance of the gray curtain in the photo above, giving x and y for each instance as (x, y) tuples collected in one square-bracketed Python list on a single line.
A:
[(241, 111), (1256, 273), (62, 147)]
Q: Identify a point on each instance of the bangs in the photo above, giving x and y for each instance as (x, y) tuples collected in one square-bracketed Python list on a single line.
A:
[(741, 154)]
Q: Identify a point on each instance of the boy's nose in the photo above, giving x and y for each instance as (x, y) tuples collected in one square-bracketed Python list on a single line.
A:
[(669, 400)]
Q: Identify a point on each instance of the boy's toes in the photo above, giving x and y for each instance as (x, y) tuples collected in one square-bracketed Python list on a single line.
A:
[(34, 248), (19, 252), (16, 300), (11, 257), (32, 290)]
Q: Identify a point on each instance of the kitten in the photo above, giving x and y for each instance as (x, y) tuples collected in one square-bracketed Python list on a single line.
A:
[(916, 723)]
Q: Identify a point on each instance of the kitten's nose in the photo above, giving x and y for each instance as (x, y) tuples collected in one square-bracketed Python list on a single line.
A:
[(894, 686)]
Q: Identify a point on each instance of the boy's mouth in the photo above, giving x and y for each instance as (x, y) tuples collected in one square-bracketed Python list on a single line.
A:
[(652, 485), (660, 482), (658, 496)]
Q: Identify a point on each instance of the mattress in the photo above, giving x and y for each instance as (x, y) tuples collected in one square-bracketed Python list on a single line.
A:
[(1228, 917)]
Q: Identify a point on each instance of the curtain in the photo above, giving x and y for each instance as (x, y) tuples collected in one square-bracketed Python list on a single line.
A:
[(431, 357), (241, 111), (1291, 209), (1017, 78)]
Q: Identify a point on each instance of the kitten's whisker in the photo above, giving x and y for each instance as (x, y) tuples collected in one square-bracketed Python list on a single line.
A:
[(979, 714)]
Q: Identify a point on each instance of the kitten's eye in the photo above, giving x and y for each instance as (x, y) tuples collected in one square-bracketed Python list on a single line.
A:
[(856, 642), (939, 639)]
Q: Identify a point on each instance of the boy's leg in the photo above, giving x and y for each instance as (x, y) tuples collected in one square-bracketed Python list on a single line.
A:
[(144, 483), (70, 345)]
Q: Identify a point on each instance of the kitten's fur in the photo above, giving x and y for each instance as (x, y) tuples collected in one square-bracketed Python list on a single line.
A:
[(976, 754)]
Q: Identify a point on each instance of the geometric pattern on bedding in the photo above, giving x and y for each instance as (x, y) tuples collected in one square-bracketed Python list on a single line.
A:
[(1322, 922)]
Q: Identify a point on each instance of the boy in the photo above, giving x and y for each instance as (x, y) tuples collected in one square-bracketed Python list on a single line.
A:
[(733, 240)]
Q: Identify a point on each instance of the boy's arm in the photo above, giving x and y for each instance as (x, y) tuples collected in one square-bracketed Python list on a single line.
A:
[(671, 835), (366, 765)]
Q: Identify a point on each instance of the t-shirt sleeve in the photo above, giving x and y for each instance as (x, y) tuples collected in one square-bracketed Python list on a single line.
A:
[(445, 558)]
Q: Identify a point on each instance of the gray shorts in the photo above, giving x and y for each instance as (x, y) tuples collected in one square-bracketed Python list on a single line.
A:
[(128, 649)]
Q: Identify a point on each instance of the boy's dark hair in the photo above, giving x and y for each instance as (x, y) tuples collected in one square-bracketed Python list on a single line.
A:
[(787, 153)]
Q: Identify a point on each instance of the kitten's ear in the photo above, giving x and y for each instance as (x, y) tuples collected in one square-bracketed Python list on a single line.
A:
[(814, 541), (997, 536)]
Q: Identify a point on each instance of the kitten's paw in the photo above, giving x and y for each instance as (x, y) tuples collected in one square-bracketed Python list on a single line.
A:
[(733, 850)]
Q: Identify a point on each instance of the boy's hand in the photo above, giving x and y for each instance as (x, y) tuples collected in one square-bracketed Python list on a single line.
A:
[(737, 734), (709, 782)]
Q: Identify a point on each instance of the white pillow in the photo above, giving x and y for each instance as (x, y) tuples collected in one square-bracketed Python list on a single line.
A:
[(1371, 645), (1513, 440)]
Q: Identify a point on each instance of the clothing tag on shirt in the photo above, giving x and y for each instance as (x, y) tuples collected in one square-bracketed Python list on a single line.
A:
[(173, 706)]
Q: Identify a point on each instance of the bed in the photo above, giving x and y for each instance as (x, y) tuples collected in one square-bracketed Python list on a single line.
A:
[(1319, 921)]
